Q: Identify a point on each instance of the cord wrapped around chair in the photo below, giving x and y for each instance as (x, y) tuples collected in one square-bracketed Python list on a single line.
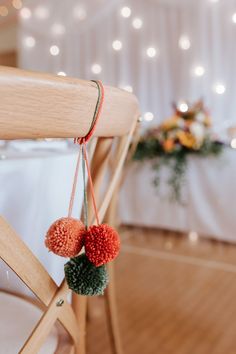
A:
[(85, 274)]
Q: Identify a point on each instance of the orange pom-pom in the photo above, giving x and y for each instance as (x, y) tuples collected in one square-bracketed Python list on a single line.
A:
[(65, 237), (102, 244)]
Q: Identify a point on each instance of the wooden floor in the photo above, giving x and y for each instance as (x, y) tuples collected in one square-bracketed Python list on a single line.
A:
[(176, 295)]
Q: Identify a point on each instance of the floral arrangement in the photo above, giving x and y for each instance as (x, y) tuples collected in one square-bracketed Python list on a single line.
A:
[(188, 131)]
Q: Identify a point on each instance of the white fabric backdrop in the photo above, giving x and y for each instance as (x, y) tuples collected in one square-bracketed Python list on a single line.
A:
[(158, 81)]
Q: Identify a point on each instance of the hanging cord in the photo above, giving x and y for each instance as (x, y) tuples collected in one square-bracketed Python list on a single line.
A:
[(96, 115), (85, 158), (85, 194), (85, 164), (72, 197)]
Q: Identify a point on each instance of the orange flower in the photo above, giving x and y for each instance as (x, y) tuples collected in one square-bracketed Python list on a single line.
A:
[(187, 139), (208, 121), (168, 145), (170, 123)]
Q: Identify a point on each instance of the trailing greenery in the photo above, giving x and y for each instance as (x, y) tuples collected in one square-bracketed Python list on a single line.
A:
[(152, 150)]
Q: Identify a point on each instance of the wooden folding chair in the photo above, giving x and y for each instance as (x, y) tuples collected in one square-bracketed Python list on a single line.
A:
[(35, 105)]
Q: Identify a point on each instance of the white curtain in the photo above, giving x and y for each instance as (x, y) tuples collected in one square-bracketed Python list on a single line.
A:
[(84, 31)]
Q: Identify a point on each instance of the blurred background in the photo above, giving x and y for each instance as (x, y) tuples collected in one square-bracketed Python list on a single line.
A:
[(177, 269)]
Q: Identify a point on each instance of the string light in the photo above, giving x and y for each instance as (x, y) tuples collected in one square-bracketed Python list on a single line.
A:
[(58, 29), (3, 11), (17, 4), (199, 70), (148, 116), (151, 52), (219, 88), (234, 18), (96, 68), (79, 13), (184, 42), (125, 11), (233, 143), (25, 13), (61, 73), (183, 107), (137, 23), (41, 12), (54, 50), (117, 45), (29, 42)]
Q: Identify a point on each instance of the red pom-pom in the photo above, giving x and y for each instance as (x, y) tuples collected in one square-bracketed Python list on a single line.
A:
[(65, 237), (102, 244)]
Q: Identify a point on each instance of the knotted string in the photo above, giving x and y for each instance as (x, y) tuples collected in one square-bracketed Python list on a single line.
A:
[(85, 163)]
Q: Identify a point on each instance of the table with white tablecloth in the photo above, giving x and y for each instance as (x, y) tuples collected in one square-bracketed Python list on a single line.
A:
[(35, 191), (209, 194)]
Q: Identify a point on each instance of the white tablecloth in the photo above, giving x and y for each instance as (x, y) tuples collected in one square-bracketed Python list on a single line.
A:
[(209, 195), (35, 191)]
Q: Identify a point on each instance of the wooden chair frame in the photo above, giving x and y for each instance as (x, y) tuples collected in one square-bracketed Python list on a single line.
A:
[(35, 105)]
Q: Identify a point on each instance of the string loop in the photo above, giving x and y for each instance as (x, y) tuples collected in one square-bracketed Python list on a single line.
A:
[(85, 163)]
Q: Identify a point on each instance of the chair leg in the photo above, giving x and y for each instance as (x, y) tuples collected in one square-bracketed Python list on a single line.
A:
[(112, 313), (79, 304)]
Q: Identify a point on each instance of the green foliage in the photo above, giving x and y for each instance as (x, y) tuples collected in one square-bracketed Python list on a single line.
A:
[(151, 149)]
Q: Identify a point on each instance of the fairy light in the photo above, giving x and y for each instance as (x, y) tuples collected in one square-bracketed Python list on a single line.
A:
[(219, 88), (117, 45), (54, 50), (233, 143), (29, 42), (234, 18), (151, 52), (183, 107), (25, 13), (79, 13), (148, 116), (96, 68), (125, 11), (58, 29), (61, 73), (184, 42), (17, 4), (3, 11), (199, 71), (137, 23), (41, 12)]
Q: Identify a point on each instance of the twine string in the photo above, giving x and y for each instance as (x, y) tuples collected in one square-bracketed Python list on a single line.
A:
[(73, 191), (85, 191), (85, 163), (85, 158)]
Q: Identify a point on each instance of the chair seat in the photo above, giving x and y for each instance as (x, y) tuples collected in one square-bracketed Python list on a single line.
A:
[(17, 320)]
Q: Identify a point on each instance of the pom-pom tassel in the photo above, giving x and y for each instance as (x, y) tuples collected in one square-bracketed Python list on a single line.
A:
[(84, 278), (65, 237), (102, 244)]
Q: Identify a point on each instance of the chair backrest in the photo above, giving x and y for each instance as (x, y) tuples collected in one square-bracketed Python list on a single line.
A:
[(35, 105)]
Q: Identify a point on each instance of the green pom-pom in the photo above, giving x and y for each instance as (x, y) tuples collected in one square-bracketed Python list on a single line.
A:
[(84, 278)]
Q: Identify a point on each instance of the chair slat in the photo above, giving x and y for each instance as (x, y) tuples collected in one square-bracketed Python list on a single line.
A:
[(36, 105), (44, 326), (22, 261)]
